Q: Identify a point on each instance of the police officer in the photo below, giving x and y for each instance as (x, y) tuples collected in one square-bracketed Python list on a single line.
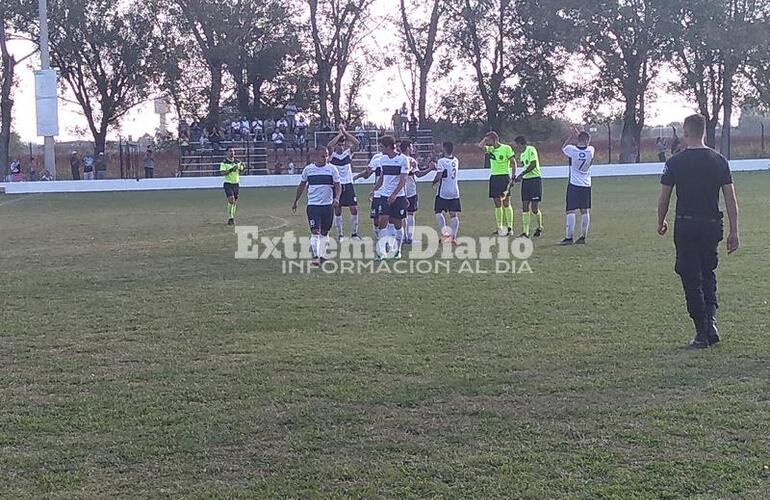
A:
[(699, 173)]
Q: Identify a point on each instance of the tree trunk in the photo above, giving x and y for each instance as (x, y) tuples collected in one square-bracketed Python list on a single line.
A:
[(727, 99), (711, 132), (629, 146), (6, 105), (323, 96), (242, 94), (215, 93), (422, 101)]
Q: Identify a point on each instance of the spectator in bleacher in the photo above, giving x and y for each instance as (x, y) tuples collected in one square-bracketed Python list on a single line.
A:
[(184, 127), (290, 166), (258, 130), (75, 166), (291, 115), (279, 142), (195, 132), (235, 128), (396, 120), (414, 126), (184, 143), (46, 175), (88, 167), (278, 168), (300, 134), (149, 163), (269, 128), (404, 113), (16, 175), (100, 165), (282, 125), (245, 129), (361, 134), (215, 137)]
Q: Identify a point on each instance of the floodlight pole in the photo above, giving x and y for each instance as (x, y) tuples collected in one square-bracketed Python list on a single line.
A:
[(49, 158)]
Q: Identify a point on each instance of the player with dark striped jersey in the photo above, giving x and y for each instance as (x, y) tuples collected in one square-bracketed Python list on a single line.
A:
[(322, 181), (373, 167), (447, 194), (341, 149), (412, 198), (391, 209), (581, 158)]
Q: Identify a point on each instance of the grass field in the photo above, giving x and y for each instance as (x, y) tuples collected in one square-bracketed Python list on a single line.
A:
[(140, 359)]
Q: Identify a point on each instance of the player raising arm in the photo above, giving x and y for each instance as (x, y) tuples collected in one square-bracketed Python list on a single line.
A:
[(322, 181), (500, 159), (581, 157), (341, 149)]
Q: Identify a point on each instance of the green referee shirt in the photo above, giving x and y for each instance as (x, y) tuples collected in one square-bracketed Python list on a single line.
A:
[(528, 156), (232, 177), (499, 159)]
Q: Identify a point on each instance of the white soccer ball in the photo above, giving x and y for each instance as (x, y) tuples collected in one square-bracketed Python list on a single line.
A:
[(502, 231)]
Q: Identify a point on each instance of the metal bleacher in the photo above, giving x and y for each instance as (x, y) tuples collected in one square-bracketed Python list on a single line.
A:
[(422, 144), (199, 160)]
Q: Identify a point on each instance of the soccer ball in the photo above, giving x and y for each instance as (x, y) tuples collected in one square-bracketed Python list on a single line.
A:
[(502, 231)]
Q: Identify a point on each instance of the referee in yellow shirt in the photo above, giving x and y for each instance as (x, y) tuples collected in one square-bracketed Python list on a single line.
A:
[(531, 186), (500, 157)]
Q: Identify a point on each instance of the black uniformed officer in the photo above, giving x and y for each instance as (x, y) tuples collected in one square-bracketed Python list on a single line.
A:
[(699, 173)]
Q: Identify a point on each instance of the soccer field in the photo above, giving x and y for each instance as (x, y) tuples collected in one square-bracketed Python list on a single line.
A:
[(141, 359)]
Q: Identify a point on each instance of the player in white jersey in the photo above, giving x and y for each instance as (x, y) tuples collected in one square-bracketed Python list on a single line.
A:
[(322, 181), (372, 168), (447, 194), (341, 149), (410, 189), (391, 207), (581, 157)]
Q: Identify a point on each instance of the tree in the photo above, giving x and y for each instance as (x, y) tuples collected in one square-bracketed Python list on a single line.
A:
[(421, 40), (13, 16), (337, 28), (102, 52), (626, 41), (509, 55)]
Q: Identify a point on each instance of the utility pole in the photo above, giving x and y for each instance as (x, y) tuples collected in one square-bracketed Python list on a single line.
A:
[(52, 124)]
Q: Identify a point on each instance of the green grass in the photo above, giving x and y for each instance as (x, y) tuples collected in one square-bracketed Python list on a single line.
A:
[(140, 359)]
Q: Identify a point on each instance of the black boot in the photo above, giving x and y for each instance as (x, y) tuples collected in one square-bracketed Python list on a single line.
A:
[(712, 334), (701, 340)]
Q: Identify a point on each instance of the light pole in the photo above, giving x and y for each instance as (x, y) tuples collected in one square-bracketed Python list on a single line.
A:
[(49, 159)]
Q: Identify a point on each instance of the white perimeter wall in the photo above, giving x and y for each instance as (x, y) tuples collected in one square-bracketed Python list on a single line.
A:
[(247, 181)]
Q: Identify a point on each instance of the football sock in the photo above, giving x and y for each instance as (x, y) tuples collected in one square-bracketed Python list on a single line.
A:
[(354, 224), (585, 221), (539, 215), (399, 239), (314, 245), (499, 216), (338, 224), (570, 225), (508, 216), (525, 218), (441, 223), (409, 226), (455, 223), (322, 244)]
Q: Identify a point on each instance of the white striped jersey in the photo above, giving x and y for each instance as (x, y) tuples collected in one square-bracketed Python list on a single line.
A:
[(580, 161), (320, 183), (391, 170), (448, 187), (343, 163)]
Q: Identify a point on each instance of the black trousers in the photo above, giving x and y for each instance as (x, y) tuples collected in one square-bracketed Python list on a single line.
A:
[(148, 173), (75, 173), (697, 257)]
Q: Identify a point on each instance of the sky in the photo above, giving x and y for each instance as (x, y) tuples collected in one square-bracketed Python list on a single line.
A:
[(379, 104)]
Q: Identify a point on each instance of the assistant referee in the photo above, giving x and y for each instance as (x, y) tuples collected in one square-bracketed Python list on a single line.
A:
[(699, 173)]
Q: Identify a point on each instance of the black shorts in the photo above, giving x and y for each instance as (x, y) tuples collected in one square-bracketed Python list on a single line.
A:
[(374, 212), (413, 204), (231, 190), (578, 197), (498, 185), (320, 218), (532, 189), (348, 197), (443, 205), (396, 211)]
